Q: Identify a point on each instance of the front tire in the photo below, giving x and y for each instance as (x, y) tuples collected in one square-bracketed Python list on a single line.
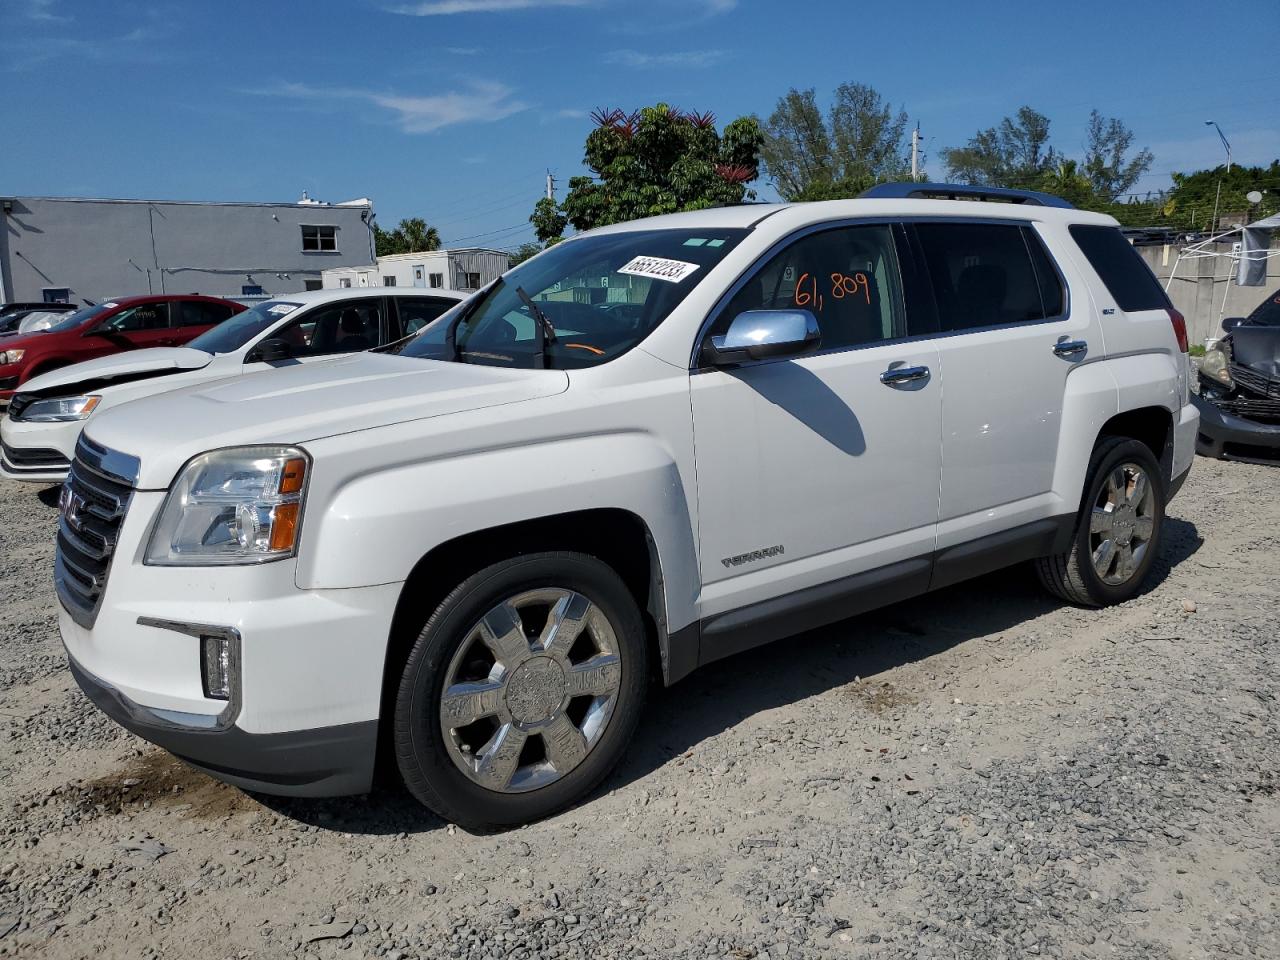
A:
[(522, 690), (1117, 533)]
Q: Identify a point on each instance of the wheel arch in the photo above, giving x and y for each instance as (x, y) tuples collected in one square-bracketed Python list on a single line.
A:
[(618, 537)]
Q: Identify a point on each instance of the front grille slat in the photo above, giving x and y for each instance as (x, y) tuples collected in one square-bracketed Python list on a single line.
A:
[(92, 509)]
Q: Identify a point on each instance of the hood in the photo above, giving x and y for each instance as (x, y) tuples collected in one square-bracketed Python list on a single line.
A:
[(131, 365), (1257, 348), (306, 402)]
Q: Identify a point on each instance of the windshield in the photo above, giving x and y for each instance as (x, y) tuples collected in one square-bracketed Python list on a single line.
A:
[(233, 334), (602, 295), (73, 320)]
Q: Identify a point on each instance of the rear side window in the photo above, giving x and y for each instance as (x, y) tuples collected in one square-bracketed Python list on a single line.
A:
[(200, 313), (989, 274), (1127, 278)]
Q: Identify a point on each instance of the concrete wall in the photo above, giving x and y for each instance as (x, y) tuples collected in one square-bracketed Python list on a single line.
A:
[(106, 248), (1199, 286)]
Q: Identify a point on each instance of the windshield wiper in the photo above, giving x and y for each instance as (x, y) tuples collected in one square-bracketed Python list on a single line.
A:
[(546, 329)]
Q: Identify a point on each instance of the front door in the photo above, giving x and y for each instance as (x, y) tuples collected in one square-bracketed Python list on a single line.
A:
[(813, 470), (419, 276), (1009, 338)]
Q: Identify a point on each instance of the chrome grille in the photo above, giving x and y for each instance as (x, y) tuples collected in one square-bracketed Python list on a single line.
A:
[(90, 511)]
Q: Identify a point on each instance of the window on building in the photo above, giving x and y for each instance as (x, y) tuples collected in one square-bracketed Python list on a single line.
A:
[(983, 275), (312, 285), (250, 290), (344, 281), (319, 237), (56, 295), (388, 281), (472, 281), (437, 281)]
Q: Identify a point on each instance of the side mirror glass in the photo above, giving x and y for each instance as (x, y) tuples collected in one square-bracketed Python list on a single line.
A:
[(1230, 323), (762, 334), (268, 350)]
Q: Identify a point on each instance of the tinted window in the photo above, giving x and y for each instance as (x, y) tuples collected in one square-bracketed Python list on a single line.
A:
[(416, 313), (981, 273), (1267, 313), (338, 328), (1121, 268), (243, 327), (1052, 297), (146, 316), (200, 313), (847, 277)]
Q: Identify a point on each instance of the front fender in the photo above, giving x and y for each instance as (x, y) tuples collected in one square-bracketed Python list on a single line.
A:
[(373, 527)]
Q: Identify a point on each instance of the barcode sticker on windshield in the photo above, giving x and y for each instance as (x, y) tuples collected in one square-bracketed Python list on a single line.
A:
[(280, 309), (673, 271)]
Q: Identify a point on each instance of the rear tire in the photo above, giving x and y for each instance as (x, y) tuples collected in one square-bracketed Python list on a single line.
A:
[(522, 690), (1117, 534)]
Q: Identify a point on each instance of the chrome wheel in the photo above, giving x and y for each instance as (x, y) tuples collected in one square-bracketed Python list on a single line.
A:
[(1121, 524), (530, 690)]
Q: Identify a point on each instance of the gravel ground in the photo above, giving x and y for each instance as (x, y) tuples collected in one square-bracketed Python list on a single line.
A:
[(980, 773)]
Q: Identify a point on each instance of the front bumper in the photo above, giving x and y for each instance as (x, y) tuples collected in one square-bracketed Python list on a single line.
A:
[(1229, 437), (37, 452), (303, 716), (324, 762)]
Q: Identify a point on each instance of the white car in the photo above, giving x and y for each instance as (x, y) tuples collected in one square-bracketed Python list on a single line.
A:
[(38, 434), (647, 448)]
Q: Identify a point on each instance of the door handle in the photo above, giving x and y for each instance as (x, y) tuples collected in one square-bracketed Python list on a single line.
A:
[(1070, 348), (896, 375)]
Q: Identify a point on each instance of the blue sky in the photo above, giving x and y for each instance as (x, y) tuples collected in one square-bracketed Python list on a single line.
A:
[(454, 109)]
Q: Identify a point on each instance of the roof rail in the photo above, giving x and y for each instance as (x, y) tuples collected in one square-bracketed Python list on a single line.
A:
[(958, 191)]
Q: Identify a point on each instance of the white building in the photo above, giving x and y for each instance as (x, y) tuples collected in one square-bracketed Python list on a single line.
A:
[(463, 269)]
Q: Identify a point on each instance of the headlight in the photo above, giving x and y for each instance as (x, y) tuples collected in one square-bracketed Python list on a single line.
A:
[(242, 505), (59, 409), (11, 356), (1215, 366)]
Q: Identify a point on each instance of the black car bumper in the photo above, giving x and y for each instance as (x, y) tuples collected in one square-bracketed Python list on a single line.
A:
[(325, 762), (1230, 437)]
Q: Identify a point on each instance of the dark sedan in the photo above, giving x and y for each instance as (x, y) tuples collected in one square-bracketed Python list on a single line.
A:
[(1239, 399)]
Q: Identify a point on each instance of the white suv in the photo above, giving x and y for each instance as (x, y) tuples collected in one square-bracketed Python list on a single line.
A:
[(649, 447), (38, 436)]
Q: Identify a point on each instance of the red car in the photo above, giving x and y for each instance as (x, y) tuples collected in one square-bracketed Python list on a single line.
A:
[(128, 323)]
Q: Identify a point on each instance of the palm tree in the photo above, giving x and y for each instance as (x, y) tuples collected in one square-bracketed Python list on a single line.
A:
[(418, 237)]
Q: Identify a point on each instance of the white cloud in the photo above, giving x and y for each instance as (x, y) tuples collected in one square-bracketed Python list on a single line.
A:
[(462, 51), (440, 8), (685, 58), (480, 103), (42, 10), (571, 113)]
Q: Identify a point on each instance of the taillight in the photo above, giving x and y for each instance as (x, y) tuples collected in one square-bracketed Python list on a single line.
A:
[(1179, 329)]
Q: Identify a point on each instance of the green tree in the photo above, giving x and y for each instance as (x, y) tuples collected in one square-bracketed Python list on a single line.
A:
[(1107, 164), (654, 161), (548, 222), (412, 235), (812, 157), (524, 252), (1014, 154), (1191, 201)]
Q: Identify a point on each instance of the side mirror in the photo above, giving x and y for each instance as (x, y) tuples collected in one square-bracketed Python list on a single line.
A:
[(1230, 323), (762, 334), (269, 350)]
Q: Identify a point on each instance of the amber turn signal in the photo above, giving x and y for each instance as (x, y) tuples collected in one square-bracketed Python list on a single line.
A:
[(284, 526), (293, 474)]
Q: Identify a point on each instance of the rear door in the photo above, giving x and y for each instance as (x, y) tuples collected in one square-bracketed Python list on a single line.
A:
[(1008, 338)]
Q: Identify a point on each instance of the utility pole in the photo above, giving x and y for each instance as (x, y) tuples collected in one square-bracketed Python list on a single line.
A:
[(551, 186), (915, 152)]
